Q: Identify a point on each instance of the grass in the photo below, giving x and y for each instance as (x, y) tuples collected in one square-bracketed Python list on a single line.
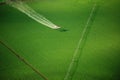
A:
[(51, 51), (78, 51)]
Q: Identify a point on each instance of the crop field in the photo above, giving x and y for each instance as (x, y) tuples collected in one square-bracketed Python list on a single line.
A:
[(86, 47)]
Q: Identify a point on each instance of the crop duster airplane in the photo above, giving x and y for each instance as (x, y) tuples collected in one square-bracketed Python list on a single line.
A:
[(21, 6)]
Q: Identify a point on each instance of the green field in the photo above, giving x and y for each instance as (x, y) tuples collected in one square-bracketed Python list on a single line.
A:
[(51, 51)]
